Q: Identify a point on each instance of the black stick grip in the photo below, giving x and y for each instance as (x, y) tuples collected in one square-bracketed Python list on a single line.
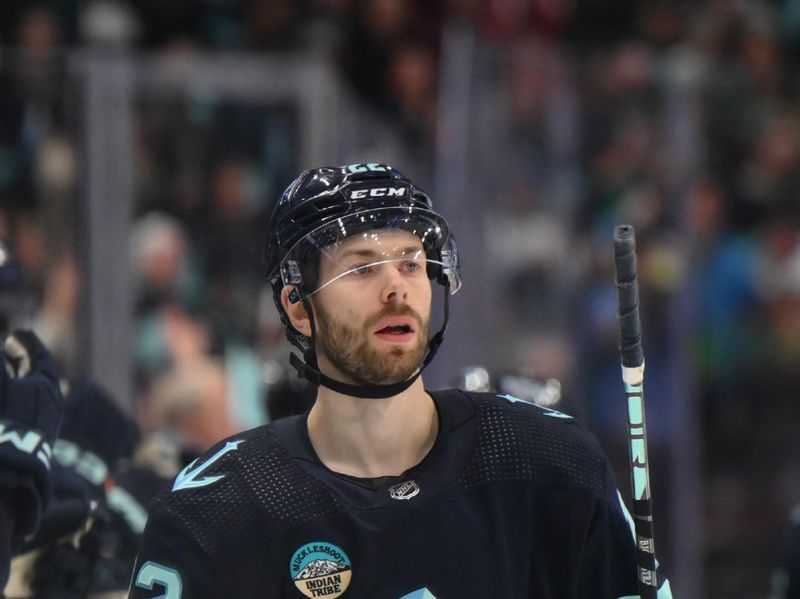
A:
[(630, 327)]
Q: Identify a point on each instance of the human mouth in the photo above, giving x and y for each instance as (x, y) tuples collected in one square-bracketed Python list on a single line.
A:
[(396, 330)]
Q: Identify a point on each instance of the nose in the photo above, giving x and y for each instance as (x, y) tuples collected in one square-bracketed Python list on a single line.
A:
[(395, 287)]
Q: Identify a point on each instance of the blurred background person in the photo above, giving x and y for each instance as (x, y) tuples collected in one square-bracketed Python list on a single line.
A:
[(189, 403)]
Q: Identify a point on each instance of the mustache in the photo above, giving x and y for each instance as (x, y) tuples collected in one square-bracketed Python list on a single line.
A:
[(394, 311)]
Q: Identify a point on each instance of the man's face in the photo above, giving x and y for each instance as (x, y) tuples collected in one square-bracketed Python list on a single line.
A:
[(372, 324)]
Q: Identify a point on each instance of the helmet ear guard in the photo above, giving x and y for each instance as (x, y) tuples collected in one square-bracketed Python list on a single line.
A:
[(446, 273), (297, 338)]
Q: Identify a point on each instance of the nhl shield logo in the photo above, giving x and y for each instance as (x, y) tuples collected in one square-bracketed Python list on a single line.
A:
[(405, 490), (320, 570)]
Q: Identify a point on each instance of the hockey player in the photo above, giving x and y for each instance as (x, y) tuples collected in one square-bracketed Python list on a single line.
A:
[(385, 490)]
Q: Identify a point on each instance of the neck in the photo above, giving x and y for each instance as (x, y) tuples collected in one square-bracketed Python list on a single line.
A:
[(369, 438)]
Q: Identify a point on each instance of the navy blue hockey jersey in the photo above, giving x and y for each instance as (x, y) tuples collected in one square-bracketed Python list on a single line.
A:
[(513, 501)]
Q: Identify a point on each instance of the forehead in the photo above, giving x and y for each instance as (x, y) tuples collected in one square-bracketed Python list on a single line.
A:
[(380, 242)]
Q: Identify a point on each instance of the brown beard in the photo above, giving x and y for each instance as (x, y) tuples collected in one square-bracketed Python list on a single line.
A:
[(349, 349)]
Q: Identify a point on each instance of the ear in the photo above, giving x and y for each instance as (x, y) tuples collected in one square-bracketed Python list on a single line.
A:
[(298, 315)]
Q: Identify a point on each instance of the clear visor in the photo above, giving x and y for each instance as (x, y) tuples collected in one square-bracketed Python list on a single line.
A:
[(365, 247)]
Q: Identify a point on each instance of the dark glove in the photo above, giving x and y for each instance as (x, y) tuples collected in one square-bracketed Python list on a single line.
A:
[(30, 416), (75, 540), (68, 539)]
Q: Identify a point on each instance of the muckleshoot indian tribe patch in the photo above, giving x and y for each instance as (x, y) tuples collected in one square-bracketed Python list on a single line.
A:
[(320, 570)]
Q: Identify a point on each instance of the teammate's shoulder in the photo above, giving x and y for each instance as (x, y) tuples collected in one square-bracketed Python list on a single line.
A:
[(519, 440)]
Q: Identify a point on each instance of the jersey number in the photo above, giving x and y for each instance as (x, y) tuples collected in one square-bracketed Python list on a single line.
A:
[(152, 573)]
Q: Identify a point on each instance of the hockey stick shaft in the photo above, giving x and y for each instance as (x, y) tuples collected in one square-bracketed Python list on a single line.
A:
[(632, 357)]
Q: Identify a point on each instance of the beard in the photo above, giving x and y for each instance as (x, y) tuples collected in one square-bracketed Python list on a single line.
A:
[(348, 348)]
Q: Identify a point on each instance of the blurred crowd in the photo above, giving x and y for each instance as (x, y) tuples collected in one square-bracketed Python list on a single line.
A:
[(679, 118)]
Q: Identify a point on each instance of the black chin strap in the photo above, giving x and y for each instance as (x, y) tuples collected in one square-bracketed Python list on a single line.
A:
[(308, 370)]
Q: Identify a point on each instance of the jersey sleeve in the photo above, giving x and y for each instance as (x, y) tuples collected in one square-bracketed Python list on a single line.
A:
[(171, 564)]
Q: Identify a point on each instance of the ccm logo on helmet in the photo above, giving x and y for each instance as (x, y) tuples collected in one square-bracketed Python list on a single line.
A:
[(377, 192)]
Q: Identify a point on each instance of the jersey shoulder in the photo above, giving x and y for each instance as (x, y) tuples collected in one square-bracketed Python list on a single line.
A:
[(245, 479), (520, 441)]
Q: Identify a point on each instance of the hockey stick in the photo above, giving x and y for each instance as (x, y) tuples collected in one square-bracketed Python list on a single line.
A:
[(630, 337)]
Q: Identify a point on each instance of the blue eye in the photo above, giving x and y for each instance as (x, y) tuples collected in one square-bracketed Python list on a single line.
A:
[(361, 270), (411, 266)]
